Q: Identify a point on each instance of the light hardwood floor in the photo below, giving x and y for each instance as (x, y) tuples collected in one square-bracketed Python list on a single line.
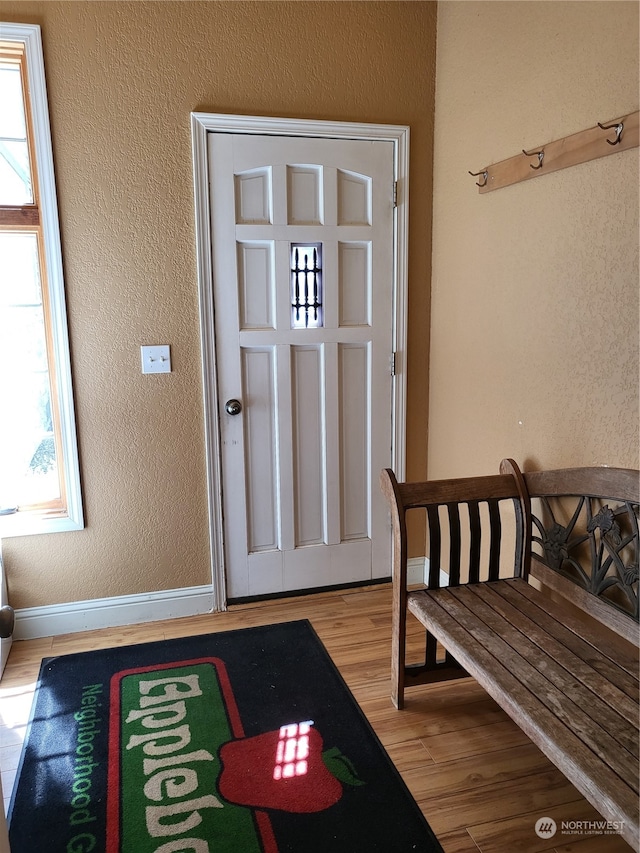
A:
[(479, 781)]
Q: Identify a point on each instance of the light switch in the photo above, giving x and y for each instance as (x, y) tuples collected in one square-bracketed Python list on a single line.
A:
[(156, 359)]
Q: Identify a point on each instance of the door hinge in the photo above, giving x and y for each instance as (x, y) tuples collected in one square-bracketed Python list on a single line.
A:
[(395, 193), (392, 363)]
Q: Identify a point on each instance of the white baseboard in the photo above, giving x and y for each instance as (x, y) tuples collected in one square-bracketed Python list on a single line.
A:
[(55, 619), (418, 571), (417, 568)]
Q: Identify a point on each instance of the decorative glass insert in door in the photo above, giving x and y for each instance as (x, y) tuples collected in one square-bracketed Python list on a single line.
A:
[(306, 286)]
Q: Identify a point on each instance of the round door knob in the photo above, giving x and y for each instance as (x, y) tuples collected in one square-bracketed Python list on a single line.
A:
[(233, 407), (7, 621)]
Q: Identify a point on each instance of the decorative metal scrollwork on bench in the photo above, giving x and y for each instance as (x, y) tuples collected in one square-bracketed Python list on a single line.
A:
[(598, 548)]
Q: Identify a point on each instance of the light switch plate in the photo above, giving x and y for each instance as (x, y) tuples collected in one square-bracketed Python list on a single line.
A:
[(156, 359)]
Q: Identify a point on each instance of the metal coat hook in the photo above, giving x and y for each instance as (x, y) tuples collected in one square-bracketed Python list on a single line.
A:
[(538, 154), (619, 126), (485, 175), (621, 134)]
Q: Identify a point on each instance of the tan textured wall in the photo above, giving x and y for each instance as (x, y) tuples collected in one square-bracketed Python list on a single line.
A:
[(122, 79), (534, 349)]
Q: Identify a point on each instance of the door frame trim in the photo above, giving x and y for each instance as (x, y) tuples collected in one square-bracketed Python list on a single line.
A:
[(201, 125)]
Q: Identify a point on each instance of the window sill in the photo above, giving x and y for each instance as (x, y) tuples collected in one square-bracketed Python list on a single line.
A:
[(33, 523)]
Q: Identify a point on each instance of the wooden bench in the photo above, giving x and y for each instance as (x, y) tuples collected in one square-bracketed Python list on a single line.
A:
[(540, 606)]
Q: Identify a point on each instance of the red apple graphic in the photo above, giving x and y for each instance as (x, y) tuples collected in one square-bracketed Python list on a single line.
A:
[(285, 770)]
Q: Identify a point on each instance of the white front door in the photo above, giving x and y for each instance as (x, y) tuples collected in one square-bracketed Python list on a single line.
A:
[(302, 271)]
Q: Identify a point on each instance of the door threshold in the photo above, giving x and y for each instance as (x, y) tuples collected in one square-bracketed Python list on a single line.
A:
[(316, 590)]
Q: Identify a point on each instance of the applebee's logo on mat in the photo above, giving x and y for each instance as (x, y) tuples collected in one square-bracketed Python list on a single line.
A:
[(182, 776), (285, 769)]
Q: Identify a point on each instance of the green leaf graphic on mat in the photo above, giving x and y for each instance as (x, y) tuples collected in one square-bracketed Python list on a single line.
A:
[(341, 767)]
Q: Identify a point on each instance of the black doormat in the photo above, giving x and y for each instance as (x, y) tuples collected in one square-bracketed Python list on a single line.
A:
[(235, 742)]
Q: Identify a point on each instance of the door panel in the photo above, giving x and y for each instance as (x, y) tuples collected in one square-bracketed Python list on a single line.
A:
[(259, 438), (308, 429), (302, 238), (353, 383)]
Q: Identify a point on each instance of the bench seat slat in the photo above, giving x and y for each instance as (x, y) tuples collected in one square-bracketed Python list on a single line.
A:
[(489, 629), (620, 663), (573, 666), (615, 797), (603, 722)]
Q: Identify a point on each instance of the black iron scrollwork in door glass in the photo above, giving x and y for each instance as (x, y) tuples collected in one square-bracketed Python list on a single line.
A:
[(306, 286)]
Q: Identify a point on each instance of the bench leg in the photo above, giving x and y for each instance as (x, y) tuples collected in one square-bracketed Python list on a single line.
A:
[(432, 670), (398, 644), (429, 672)]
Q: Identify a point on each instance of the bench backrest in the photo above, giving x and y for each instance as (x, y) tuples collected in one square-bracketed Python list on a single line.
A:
[(576, 531), (584, 540), (465, 521)]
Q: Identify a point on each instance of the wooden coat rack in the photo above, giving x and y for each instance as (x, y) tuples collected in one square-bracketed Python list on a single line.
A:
[(599, 141)]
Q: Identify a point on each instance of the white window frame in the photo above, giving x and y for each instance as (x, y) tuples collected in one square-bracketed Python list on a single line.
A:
[(34, 521)]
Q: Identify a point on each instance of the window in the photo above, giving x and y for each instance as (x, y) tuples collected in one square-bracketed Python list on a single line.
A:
[(39, 469), (306, 286)]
